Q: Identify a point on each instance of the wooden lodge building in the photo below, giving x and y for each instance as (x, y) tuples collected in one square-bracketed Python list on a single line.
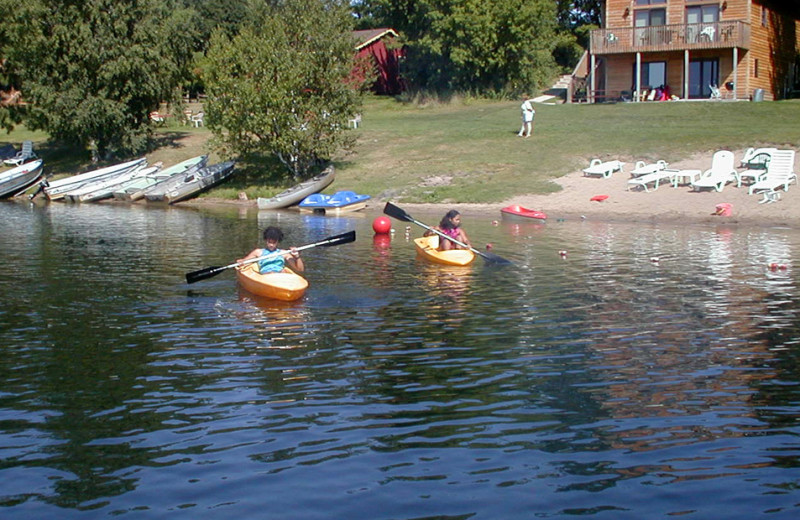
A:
[(694, 49)]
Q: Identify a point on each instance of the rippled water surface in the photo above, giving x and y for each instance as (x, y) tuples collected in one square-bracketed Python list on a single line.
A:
[(650, 372)]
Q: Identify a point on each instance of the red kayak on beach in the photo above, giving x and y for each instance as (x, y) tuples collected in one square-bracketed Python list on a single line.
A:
[(518, 213)]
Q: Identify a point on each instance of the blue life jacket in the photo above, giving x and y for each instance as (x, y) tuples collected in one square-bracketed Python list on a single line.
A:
[(273, 264)]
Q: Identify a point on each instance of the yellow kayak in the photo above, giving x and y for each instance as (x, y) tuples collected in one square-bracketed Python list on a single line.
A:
[(427, 248), (285, 285)]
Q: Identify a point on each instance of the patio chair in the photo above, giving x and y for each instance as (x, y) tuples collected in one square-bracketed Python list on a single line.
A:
[(721, 172), (23, 155), (642, 168), (197, 119), (654, 178), (780, 174), (755, 162), (603, 169)]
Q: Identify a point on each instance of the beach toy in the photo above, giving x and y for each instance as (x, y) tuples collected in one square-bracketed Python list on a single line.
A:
[(723, 209), (381, 225), (599, 198)]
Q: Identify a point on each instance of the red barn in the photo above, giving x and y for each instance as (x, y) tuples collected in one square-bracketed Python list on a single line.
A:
[(378, 48)]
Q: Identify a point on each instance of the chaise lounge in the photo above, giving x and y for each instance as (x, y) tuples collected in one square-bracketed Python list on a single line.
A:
[(603, 169)]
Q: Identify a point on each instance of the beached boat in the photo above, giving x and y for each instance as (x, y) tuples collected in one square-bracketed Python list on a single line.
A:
[(427, 248), (136, 188), (339, 202), (58, 189), (20, 178), (104, 189), (201, 180), (297, 193), (517, 213), (285, 285)]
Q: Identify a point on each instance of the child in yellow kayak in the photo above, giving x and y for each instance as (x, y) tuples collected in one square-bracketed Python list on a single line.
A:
[(276, 263), (450, 225)]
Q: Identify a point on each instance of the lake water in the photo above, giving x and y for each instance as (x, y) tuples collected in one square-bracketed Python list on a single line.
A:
[(651, 372)]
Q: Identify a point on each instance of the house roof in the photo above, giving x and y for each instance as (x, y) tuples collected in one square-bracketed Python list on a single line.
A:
[(368, 36)]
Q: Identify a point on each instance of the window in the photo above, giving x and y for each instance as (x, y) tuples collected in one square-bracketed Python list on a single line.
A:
[(654, 74), (764, 17), (650, 17), (650, 2), (755, 68), (702, 14)]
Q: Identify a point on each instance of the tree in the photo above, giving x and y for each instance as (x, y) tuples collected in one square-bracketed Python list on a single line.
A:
[(281, 86), (503, 46), (92, 70)]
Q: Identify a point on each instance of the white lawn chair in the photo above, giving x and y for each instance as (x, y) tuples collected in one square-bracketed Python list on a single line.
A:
[(654, 178), (642, 168), (721, 172), (780, 173), (23, 155), (603, 169)]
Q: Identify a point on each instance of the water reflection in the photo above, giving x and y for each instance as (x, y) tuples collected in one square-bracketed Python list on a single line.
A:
[(602, 382)]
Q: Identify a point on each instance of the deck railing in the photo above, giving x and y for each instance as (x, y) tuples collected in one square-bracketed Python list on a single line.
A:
[(675, 37)]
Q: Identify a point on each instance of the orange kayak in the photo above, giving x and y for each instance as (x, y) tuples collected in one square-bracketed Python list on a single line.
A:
[(427, 248), (285, 285)]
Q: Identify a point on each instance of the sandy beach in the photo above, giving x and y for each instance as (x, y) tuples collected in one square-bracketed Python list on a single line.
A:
[(666, 204)]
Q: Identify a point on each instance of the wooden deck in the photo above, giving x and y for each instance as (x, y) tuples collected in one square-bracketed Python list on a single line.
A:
[(674, 37)]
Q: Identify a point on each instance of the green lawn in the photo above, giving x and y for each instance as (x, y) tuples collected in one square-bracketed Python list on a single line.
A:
[(468, 150), (409, 152)]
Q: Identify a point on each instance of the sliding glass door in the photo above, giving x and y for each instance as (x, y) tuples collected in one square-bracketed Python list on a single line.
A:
[(702, 74)]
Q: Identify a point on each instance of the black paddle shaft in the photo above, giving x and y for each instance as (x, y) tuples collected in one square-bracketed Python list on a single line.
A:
[(208, 272), (400, 214)]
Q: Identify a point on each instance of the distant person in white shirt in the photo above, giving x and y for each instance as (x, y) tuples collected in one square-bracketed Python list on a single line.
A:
[(527, 117)]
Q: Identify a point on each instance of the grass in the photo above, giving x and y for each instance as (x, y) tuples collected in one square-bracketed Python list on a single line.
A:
[(468, 151)]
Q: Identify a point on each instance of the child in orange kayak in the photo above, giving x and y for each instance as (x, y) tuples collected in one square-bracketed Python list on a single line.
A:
[(275, 264), (450, 225)]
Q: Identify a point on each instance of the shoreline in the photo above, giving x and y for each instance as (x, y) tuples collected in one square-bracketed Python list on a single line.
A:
[(667, 204)]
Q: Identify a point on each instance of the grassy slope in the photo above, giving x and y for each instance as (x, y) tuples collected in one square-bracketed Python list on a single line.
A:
[(476, 146), (468, 151)]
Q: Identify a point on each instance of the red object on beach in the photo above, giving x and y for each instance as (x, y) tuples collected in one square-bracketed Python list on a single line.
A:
[(599, 198), (518, 213), (724, 209)]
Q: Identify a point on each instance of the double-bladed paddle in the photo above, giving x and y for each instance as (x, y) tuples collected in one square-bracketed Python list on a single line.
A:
[(208, 272), (398, 213)]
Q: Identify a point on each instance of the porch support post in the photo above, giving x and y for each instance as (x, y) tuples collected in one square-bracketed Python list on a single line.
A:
[(686, 74), (638, 81), (591, 87), (735, 71)]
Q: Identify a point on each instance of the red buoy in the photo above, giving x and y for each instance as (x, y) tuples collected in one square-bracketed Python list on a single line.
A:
[(381, 225)]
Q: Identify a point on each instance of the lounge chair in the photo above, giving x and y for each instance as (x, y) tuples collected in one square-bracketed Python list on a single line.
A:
[(780, 173), (643, 168), (23, 156), (755, 162), (603, 169), (721, 172), (755, 156), (654, 178)]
